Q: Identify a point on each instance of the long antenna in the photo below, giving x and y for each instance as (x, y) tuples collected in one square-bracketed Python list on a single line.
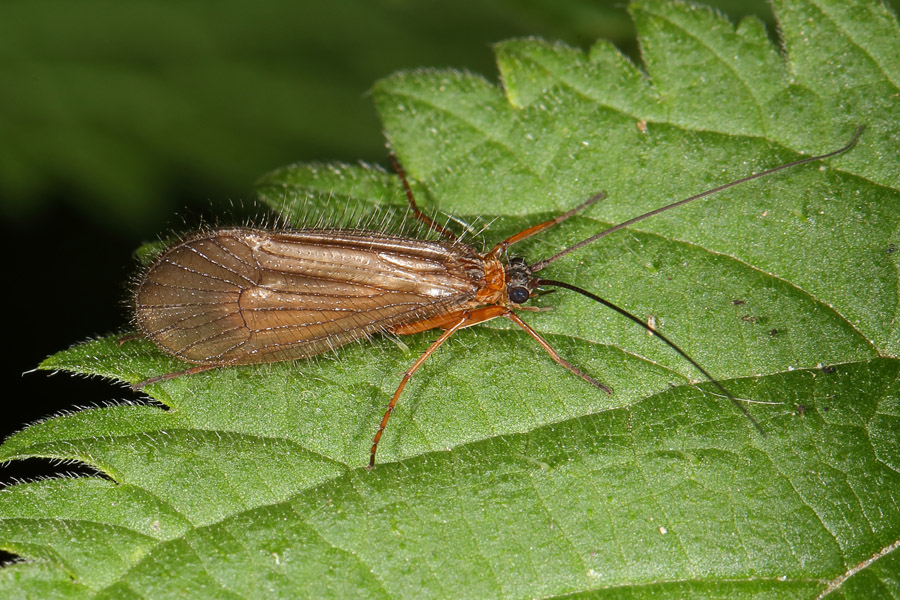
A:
[(543, 263), (670, 343)]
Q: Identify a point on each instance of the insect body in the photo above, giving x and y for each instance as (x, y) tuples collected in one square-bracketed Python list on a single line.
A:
[(244, 296)]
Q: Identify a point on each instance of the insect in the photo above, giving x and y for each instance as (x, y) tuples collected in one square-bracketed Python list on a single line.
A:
[(240, 296)]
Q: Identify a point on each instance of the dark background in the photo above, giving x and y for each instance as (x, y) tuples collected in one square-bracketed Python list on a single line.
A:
[(118, 120)]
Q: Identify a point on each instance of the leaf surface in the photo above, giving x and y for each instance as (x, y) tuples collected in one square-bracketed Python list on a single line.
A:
[(501, 474)]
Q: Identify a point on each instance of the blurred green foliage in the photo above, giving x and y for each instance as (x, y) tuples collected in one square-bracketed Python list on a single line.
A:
[(124, 110)]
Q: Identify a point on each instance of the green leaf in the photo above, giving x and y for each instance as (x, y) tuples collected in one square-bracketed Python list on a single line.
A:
[(501, 474)]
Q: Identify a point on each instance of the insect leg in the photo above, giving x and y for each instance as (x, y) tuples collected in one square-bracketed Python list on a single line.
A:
[(535, 229), (176, 374), (415, 208), (467, 319), (554, 355), (129, 337)]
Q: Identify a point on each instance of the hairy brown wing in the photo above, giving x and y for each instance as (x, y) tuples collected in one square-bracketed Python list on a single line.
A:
[(241, 296)]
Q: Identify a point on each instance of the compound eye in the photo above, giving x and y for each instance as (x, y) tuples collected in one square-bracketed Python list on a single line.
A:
[(518, 295)]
